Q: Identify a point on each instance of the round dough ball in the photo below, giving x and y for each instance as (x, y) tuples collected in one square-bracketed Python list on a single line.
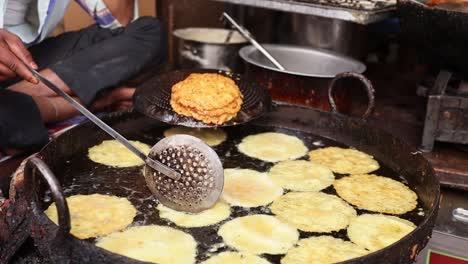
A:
[(259, 234), (212, 137), (113, 153), (313, 211), (249, 188), (344, 161), (235, 258), (301, 175), (376, 193), (96, 214), (272, 147), (216, 214), (375, 232), (155, 244), (323, 250)]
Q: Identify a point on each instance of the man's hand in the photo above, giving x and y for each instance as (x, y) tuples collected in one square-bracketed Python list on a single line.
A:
[(13, 56)]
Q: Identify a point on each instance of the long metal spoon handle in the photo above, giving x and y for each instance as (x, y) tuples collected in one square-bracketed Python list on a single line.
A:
[(150, 162), (250, 38)]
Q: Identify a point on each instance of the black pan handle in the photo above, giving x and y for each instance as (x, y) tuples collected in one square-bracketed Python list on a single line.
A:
[(36, 163), (367, 84)]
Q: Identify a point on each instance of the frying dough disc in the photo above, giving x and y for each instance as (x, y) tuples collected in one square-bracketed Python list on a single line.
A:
[(96, 215), (212, 137), (272, 147), (235, 258), (259, 234), (323, 250), (113, 153), (249, 188), (313, 211), (217, 213), (301, 175), (375, 232), (156, 244), (376, 193), (344, 161)]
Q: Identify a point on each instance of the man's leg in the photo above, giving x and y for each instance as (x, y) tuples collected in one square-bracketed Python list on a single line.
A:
[(98, 59), (21, 125)]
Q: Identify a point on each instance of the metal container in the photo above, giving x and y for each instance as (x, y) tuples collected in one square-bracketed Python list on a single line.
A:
[(307, 76), (205, 48), (331, 34)]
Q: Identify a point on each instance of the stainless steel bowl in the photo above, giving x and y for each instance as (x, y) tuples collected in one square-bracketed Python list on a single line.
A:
[(307, 76), (205, 48), (302, 61)]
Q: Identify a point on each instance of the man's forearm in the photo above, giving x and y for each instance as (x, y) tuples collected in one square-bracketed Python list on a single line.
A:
[(122, 10)]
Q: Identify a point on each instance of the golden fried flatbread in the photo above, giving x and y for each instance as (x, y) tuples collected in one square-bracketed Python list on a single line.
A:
[(313, 211), (272, 147), (376, 193), (155, 244), (301, 175), (212, 137), (259, 234), (235, 258), (96, 214), (211, 98), (216, 214), (215, 116), (375, 232), (344, 161), (113, 153), (249, 188), (206, 91), (231, 109), (323, 250)]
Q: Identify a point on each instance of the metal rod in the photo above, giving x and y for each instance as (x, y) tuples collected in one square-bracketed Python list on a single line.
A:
[(150, 162), (228, 37), (249, 37)]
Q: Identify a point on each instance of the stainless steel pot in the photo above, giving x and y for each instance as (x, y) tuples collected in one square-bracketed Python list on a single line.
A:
[(206, 48), (307, 76), (335, 35)]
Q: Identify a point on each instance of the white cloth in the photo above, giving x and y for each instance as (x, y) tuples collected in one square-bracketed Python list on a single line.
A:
[(40, 18), (34, 20), (16, 12)]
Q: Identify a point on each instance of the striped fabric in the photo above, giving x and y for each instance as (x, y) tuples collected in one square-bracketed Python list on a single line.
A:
[(98, 10)]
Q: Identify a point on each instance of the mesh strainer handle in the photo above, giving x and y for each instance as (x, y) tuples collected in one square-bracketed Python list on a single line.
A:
[(150, 162)]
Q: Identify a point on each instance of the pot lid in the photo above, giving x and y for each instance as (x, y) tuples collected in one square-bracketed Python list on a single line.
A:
[(209, 35), (302, 61)]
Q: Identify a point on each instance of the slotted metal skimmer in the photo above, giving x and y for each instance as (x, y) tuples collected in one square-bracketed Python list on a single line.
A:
[(202, 176), (181, 171), (152, 99)]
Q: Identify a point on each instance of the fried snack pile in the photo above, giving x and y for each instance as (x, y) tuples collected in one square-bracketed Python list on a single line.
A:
[(208, 97)]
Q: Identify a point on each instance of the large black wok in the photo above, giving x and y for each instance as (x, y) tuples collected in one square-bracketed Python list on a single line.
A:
[(66, 158)]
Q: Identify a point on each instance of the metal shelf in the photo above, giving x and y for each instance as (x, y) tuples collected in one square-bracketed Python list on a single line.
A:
[(360, 16)]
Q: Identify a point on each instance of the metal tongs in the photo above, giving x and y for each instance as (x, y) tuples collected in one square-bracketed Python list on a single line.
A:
[(252, 40), (156, 165)]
